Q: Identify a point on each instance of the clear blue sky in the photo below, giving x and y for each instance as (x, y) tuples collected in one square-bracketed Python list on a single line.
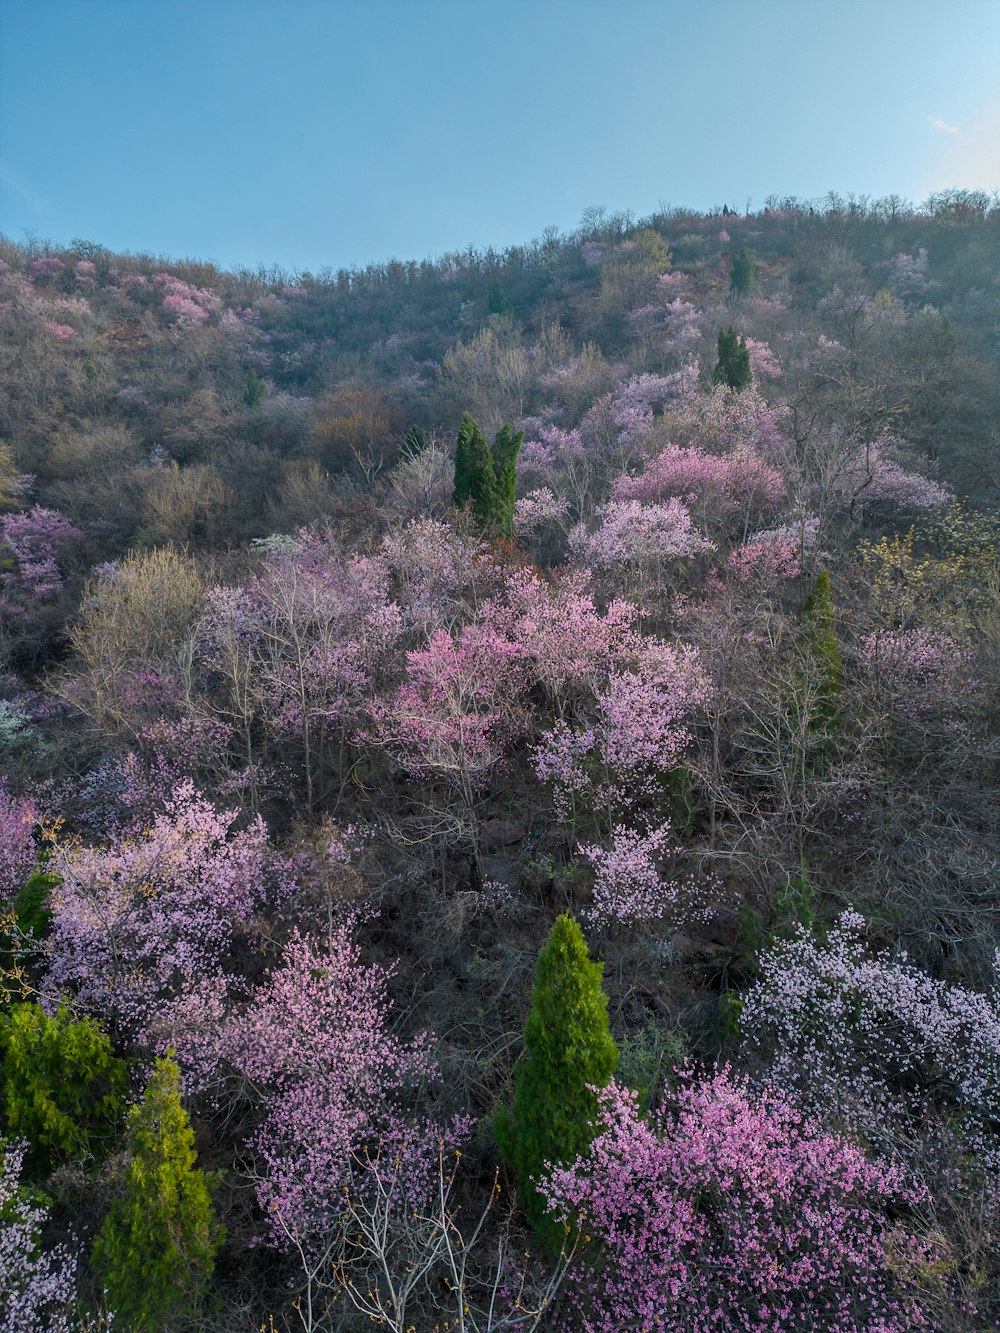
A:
[(335, 132)]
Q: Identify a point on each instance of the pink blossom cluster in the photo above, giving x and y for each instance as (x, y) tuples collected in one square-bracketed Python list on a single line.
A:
[(141, 931), (732, 1211), (873, 476), (740, 481), (633, 533), (631, 885), (455, 711), (433, 570), (187, 306), (537, 510), (85, 270), (317, 1042), (922, 668), (47, 267), (61, 331), (722, 421), (765, 561), (633, 732), (763, 362), (34, 538), (18, 818), (872, 1043), (37, 1285)]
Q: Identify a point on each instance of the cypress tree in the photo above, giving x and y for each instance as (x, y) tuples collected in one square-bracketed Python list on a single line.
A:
[(475, 480), (568, 1049), (741, 274), (733, 365), (155, 1253), (506, 447), (497, 300), (255, 391), (485, 477)]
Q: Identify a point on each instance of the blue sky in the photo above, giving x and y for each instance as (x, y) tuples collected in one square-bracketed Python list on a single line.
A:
[(337, 132)]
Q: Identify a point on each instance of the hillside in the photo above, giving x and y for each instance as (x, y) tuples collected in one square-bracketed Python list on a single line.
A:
[(304, 762)]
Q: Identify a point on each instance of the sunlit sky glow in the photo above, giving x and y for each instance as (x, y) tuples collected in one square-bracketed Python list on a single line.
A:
[(337, 132)]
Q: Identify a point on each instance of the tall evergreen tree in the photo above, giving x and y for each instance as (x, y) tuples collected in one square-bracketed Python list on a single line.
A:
[(569, 1050), (155, 1253), (733, 365), (506, 447), (741, 274), (485, 477), (475, 480)]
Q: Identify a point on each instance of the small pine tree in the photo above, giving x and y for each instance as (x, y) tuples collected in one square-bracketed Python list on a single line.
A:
[(62, 1085), (255, 391), (733, 365), (741, 274), (155, 1253), (568, 1051)]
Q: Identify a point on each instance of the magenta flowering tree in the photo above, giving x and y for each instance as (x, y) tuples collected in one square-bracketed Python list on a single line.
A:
[(142, 931), (737, 488), (870, 1042), (37, 1285), (18, 818), (332, 1079), (729, 1210), (450, 723), (34, 539)]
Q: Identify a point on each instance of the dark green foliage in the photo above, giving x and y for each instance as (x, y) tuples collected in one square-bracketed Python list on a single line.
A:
[(255, 392), (498, 300), (741, 275), (485, 478), (62, 1085), (155, 1253), (733, 365), (506, 448), (568, 1050), (414, 441), (821, 654)]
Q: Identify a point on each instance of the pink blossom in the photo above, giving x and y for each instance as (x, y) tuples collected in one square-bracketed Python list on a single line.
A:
[(61, 331), (18, 818), (731, 1211), (631, 885), (634, 533), (37, 1284)]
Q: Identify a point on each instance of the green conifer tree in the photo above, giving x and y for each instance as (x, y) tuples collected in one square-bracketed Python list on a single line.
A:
[(497, 299), (821, 654), (506, 447), (155, 1253), (475, 480), (741, 274), (485, 477), (568, 1050), (62, 1085), (255, 391), (733, 365)]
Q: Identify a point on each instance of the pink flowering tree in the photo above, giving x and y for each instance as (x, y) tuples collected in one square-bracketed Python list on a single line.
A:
[(870, 1042), (34, 540), (728, 1210), (736, 490), (450, 723), (635, 545), (331, 1078), (637, 880), (614, 758), (18, 818), (142, 931), (301, 649), (37, 1286)]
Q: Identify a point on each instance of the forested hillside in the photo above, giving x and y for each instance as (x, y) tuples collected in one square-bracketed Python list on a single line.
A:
[(499, 817)]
